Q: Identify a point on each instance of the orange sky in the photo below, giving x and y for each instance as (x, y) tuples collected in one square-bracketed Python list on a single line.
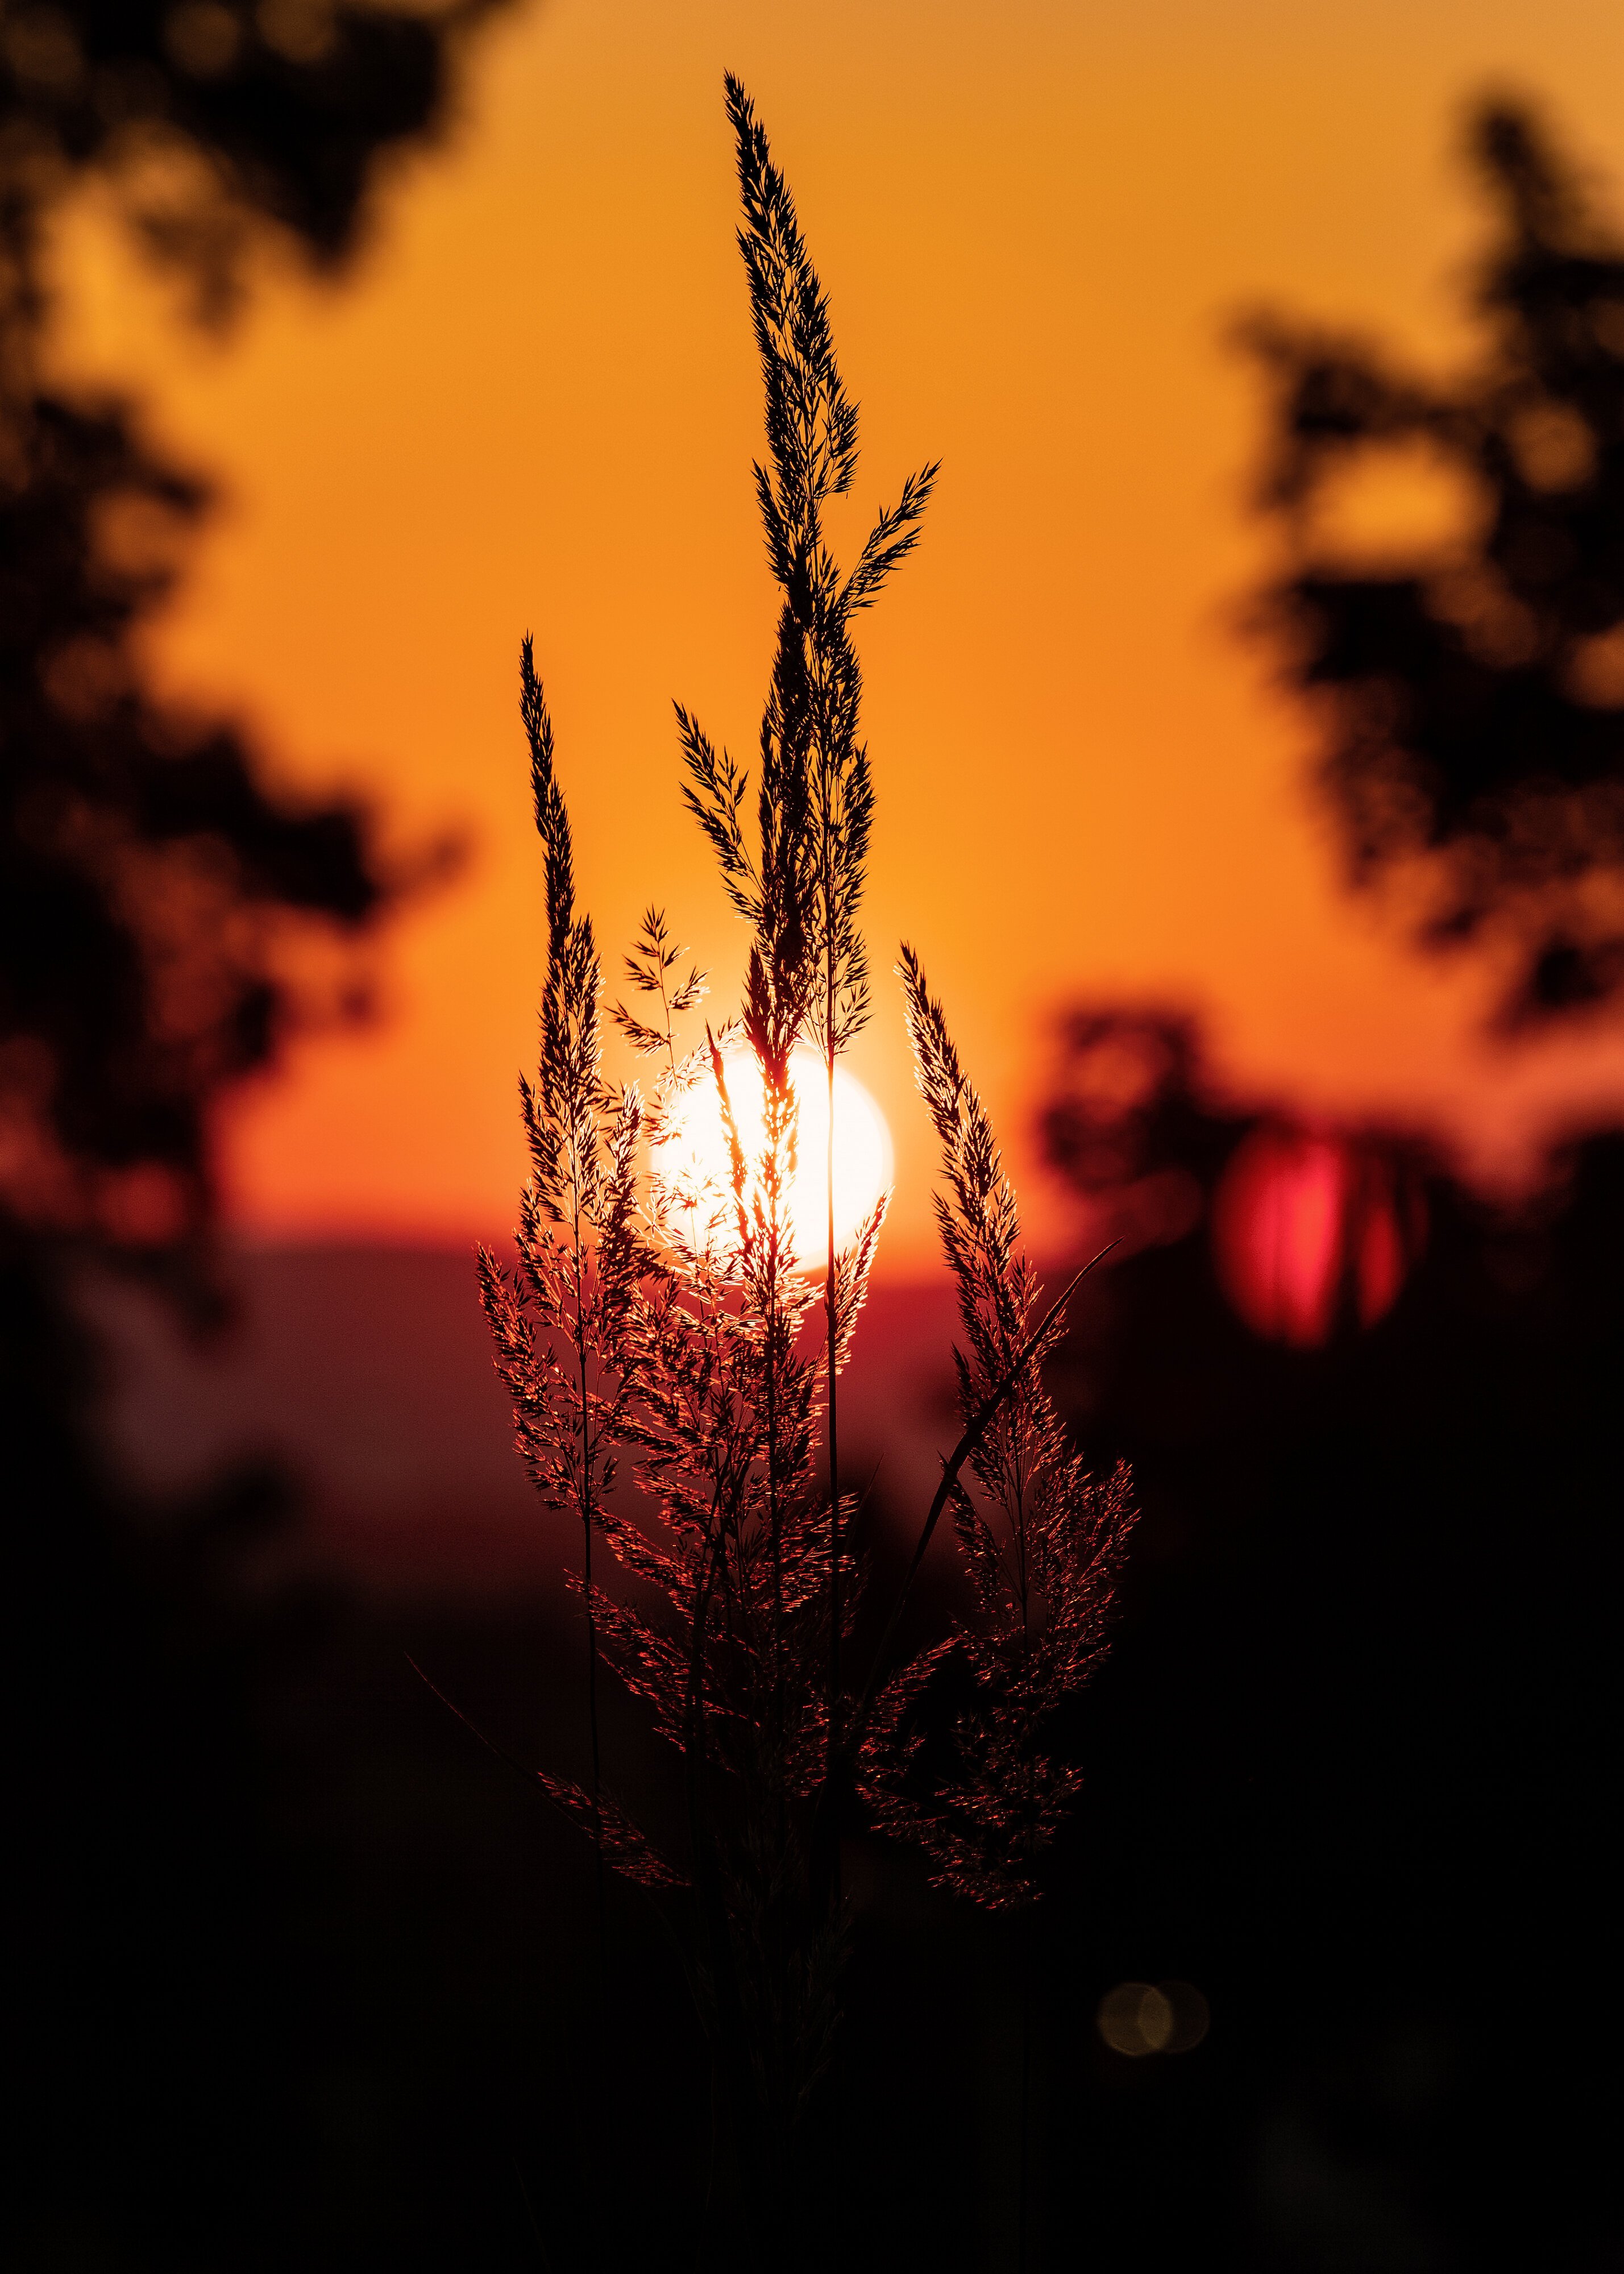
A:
[(537, 405)]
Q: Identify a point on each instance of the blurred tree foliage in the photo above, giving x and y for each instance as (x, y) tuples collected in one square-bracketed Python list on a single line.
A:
[(159, 908), (151, 884), (1471, 690)]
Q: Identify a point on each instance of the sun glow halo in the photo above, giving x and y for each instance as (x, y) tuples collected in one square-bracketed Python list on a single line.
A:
[(696, 1148)]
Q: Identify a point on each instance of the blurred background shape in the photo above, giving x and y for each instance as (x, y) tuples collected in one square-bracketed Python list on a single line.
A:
[(168, 916)]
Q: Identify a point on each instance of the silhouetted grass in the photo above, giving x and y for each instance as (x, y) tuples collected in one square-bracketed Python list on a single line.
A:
[(662, 1325)]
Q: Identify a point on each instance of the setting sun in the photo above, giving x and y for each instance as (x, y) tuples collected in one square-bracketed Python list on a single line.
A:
[(697, 1147)]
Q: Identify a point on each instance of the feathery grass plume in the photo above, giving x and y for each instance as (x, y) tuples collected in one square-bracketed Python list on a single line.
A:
[(664, 1322), (809, 733), (1041, 1541), (562, 1321)]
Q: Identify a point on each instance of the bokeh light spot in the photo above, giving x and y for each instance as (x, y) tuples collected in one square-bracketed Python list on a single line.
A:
[(1137, 2018), (1305, 1224)]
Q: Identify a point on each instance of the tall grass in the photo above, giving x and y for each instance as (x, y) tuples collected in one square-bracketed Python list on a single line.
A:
[(675, 1371)]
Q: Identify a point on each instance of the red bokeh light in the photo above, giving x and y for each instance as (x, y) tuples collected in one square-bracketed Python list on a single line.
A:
[(1310, 1225)]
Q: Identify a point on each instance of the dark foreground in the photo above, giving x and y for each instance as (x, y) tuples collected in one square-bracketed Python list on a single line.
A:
[(304, 1977)]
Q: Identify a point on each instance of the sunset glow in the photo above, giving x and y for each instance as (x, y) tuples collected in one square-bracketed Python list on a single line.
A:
[(697, 1149), (1034, 223)]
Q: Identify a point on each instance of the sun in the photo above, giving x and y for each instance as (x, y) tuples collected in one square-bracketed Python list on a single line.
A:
[(696, 1148)]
